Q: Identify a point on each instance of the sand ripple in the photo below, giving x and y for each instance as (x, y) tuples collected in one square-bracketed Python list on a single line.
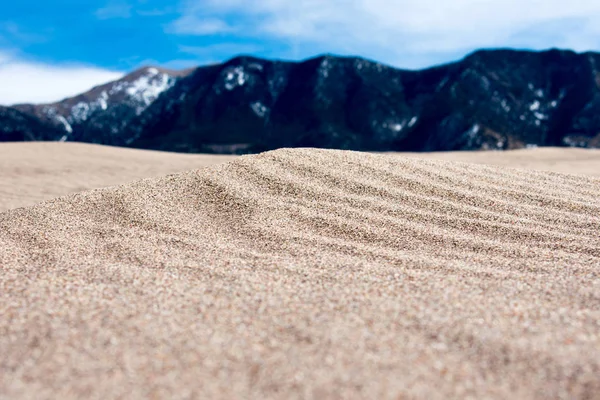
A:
[(307, 274)]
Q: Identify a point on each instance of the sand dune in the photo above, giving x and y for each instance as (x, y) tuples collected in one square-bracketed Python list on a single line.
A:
[(307, 274), (36, 171), (554, 159)]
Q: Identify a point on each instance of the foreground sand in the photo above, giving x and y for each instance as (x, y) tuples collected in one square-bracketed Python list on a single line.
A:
[(34, 171), (307, 274)]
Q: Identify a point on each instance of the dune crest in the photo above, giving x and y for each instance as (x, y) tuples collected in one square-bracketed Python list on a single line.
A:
[(307, 273)]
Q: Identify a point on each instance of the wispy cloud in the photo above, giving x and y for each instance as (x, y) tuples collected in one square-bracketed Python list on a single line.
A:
[(114, 9), (219, 50), (5, 57), (197, 26), (25, 81), (12, 30), (155, 12), (399, 30)]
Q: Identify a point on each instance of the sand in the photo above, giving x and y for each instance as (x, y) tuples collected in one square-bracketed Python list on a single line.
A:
[(307, 274), (555, 159), (36, 171)]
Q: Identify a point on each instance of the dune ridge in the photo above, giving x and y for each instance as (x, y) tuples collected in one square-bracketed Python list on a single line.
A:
[(307, 274), (37, 171)]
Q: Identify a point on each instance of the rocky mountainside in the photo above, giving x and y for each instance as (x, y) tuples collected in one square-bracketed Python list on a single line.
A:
[(492, 99), (100, 115), (16, 126)]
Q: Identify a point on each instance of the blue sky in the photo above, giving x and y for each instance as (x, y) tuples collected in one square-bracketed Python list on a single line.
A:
[(54, 48)]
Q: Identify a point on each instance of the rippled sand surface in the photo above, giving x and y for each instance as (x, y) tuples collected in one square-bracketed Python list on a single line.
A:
[(307, 274)]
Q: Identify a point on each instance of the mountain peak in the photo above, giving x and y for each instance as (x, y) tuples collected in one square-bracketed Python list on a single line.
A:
[(154, 70), (123, 98)]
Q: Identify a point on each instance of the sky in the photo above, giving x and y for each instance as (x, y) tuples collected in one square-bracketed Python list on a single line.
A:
[(51, 49)]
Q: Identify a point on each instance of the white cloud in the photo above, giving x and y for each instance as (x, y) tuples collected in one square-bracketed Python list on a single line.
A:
[(31, 82), (4, 58), (155, 12), (114, 9), (396, 30), (14, 31), (219, 50), (192, 25)]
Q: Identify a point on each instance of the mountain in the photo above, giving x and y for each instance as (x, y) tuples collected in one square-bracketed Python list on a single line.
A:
[(99, 115), (492, 99), (16, 126)]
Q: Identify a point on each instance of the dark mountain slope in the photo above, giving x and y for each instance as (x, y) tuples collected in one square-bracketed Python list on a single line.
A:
[(16, 126), (492, 99)]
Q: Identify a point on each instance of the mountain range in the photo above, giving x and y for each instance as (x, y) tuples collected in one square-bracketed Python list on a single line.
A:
[(491, 99)]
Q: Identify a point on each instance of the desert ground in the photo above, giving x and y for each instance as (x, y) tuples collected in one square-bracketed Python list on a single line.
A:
[(36, 171), (299, 273), (555, 159)]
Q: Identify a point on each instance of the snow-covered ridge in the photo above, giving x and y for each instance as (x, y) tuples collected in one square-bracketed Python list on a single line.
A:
[(144, 90), (138, 93)]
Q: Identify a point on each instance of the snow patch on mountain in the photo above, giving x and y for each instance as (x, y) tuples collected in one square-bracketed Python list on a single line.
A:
[(147, 88), (102, 100), (256, 67), (472, 133), (394, 125), (259, 109), (325, 68), (535, 106), (65, 123), (140, 93), (79, 112), (234, 77)]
